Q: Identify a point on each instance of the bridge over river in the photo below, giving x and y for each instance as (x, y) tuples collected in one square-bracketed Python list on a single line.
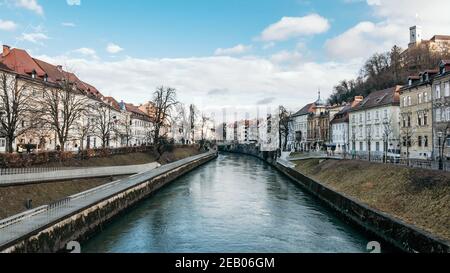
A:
[(236, 203)]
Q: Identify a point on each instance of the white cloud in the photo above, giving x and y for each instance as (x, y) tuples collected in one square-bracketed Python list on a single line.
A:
[(113, 48), (236, 50), (247, 80), (68, 24), (286, 57), (390, 27), (32, 5), (7, 25), (364, 39), (35, 38), (73, 2), (86, 52), (289, 27)]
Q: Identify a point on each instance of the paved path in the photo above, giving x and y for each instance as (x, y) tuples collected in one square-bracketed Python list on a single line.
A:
[(12, 229), (17, 179)]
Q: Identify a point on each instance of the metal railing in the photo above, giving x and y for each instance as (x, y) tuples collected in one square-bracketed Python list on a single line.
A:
[(379, 158), (14, 171), (29, 221)]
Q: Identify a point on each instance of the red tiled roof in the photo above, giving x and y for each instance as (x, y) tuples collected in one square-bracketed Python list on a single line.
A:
[(21, 62), (56, 74), (305, 110), (111, 101), (133, 109)]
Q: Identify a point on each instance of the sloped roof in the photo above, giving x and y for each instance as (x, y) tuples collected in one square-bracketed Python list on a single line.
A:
[(305, 110), (21, 62), (380, 98), (113, 102)]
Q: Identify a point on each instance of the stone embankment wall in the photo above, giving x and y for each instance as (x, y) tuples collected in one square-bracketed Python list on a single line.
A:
[(82, 224), (403, 236)]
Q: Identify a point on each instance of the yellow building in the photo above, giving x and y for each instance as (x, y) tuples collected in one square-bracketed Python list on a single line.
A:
[(416, 126)]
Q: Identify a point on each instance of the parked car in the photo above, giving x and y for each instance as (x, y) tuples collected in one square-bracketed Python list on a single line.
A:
[(393, 155)]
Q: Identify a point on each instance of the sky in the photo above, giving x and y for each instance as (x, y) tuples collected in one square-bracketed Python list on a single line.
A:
[(233, 54)]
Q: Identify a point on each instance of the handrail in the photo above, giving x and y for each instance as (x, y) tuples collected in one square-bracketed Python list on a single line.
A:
[(66, 201)]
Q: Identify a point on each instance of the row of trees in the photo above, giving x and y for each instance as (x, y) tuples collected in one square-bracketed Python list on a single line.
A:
[(67, 113), (384, 70)]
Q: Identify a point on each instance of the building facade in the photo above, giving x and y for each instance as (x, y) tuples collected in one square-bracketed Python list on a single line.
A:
[(416, 112), (441, 114), (340, 133), (298, 129), (90, 129), (374, 124)]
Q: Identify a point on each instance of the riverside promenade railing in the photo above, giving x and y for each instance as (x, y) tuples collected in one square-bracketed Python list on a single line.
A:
[(71, 173), (20, 225), (413, 163)]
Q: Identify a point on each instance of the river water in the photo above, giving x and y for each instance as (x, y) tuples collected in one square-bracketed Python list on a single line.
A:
[(236, 203)]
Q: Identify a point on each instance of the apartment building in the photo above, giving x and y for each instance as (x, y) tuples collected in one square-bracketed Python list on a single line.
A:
[(374, 123), (416, 116)]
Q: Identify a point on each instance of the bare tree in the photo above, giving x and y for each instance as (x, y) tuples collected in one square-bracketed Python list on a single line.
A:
[(387, 133), (103, 122), (408, 140), (15, 106), (164, 99), (204, 121), (369, 139), (61, 108), (193, 115), (283, 130), (180, 121), (353, 139), (83, 129), (124, 129)]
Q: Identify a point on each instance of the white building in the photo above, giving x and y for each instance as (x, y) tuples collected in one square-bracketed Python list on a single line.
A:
[(298, 129), (374, 123), (269, 139), (340, 133)]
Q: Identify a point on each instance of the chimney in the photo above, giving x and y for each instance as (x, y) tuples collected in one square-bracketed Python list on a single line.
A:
[(359, 99), (6, 50), (59, 67)]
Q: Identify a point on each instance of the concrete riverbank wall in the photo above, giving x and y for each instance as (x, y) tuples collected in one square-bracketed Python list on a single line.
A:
[(403, 236), (82, 223)]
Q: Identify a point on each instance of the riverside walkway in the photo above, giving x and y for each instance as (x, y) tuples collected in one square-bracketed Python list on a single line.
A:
[(75, 173), (24, 224)]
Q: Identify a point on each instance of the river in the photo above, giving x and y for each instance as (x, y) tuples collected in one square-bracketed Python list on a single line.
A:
[(235, 203)]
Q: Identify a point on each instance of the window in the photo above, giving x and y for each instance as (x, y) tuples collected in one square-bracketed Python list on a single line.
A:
[(425, 119), (377, 146), (377, 115), (420, 98), (2, 143), (425, 97), (448, 141), (438, 91), (419, 119), (409, 121), (360, 118), (425, 144), (438, 115), (385, 114), (361, 146), (409, 101), (405, 101), (447, 89), (368, 116), (419, 141)]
